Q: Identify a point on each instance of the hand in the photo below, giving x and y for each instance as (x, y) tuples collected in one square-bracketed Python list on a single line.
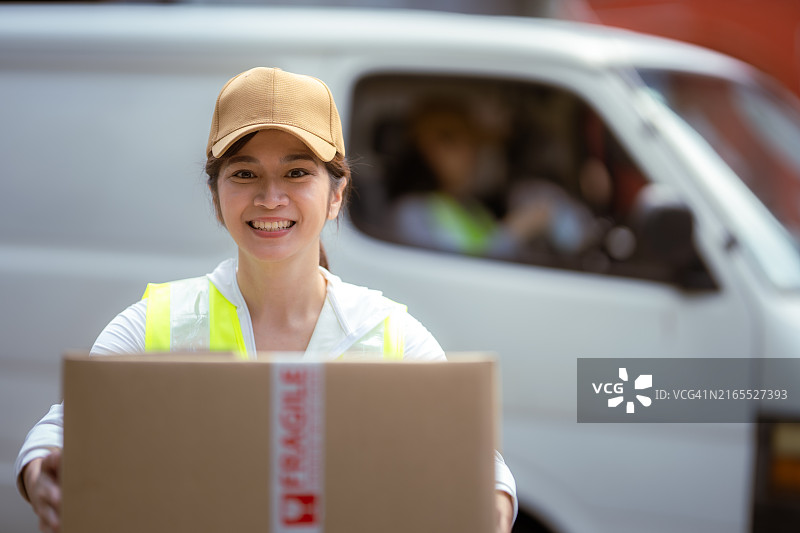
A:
[(505, 512), (43, 485), (528, 221)]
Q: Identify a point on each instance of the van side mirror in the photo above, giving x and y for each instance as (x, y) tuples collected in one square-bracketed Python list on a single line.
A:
[(664, 226)]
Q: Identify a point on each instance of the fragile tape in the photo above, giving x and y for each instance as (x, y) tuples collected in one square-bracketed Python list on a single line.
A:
[(297, 462)]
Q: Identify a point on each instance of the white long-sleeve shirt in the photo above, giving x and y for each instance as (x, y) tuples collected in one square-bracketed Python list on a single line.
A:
[(348, 314)]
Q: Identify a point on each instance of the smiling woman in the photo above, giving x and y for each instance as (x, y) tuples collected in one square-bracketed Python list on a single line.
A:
[(277, 173)]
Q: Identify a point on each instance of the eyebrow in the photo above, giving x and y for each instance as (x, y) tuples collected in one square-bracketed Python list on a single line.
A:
[(242, 159), (302, 156)]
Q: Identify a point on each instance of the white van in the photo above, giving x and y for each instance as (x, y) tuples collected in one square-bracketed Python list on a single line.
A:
[(104, 115)]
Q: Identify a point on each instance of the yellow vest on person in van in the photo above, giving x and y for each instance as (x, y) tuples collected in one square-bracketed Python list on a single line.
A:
[(193, 315)]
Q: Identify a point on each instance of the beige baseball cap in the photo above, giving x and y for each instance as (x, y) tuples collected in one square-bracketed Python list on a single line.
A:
[(270, 98)]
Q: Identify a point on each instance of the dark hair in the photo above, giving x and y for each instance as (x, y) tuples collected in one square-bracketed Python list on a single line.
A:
[(338, 170)]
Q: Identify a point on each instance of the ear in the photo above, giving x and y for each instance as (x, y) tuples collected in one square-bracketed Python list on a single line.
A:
[(335, 203)]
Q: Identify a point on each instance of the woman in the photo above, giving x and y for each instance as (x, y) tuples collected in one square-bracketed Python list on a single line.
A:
[(276, 172)]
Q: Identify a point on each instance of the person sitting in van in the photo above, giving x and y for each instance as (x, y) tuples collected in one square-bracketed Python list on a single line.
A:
[(442, 206), (454, 168)]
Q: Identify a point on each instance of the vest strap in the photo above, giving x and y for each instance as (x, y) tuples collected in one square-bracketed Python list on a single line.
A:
[(157, 335), (225, 329), (191, 315)]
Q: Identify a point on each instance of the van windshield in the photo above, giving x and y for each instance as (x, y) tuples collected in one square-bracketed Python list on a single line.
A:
[(753, 128)]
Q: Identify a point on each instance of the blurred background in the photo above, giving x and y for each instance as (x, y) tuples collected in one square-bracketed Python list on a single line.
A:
[(529, 181)]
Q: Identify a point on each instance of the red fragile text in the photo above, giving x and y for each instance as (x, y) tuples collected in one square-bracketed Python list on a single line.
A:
[(295, 439)]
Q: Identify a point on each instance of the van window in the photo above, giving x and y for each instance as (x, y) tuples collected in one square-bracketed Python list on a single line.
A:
[(499, 169), (755, 128)]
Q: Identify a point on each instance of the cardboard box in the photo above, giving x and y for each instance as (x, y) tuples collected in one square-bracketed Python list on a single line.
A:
[(169, 443)]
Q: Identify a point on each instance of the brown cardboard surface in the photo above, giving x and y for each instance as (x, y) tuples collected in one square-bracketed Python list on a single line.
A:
[(176, 444)]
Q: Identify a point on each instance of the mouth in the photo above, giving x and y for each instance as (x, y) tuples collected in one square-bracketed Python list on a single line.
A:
[(278, 225)]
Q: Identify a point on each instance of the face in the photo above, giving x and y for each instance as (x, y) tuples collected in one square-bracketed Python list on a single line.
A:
[(275, 197), (449, 145)]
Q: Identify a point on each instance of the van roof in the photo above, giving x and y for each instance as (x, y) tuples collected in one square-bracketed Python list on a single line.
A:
[(217, 29)]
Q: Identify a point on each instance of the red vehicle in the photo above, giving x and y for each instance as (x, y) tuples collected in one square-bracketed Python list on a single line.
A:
[(764, 34)]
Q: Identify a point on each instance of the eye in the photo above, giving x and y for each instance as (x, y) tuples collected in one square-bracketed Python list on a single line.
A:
[(296, 173), (244, 174)]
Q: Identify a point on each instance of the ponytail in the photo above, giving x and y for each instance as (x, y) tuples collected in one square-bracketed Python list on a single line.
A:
[(339, 173), (323, 257)]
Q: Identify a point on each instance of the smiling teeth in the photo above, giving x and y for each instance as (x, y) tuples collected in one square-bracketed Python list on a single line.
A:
[(271, 226)]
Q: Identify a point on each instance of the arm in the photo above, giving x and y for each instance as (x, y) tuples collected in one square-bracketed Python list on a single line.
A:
[(45, 437), (41, 478), (37, 467), (504, 504), (506, 495)]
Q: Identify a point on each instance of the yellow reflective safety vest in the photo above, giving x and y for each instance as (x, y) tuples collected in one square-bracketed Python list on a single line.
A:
[(193, 315), (470, 227)]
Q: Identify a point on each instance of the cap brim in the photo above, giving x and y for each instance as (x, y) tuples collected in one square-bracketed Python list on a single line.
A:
[(321, 148)]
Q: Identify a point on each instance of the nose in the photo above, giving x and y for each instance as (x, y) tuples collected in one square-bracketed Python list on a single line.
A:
[(271, 194)]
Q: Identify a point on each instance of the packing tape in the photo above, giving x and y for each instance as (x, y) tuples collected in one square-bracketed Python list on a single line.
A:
[(297, 462)]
